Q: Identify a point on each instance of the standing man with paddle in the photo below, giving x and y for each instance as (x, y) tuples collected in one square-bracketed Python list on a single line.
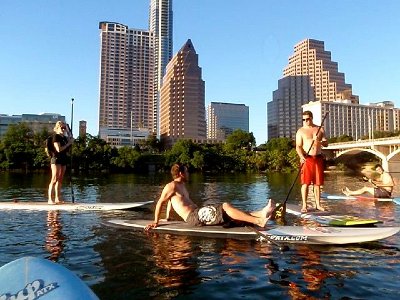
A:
[(309, 140)]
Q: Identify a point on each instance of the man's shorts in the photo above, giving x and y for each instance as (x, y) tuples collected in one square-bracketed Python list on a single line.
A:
[(381, 193), (312, 171), (207, 215)]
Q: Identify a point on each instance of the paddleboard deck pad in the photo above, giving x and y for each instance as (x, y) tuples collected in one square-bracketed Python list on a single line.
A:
[(327, 218), (72, 206), (370, 198), (38, 278), (285, 234)]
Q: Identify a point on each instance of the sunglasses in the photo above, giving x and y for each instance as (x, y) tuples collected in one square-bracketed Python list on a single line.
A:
[(306, 119)]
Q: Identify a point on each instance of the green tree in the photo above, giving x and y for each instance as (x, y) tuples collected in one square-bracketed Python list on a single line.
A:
[(127, 158), (282, 144), (181, 152), (240, 139), (19, 147), (340, 139)]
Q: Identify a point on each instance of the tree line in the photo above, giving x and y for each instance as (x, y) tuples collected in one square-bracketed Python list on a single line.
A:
[(23, 149)]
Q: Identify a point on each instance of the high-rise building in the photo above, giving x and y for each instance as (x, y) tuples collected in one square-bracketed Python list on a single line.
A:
[(132, 64), (224, 118), (161, 25), (355, 120), (182, 98), (126, 78), (311, 75)]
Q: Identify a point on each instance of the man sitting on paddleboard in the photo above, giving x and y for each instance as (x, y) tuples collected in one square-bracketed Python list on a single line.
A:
[(177, 194), (382, 188)]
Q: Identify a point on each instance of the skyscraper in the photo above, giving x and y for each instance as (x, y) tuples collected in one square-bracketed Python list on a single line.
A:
[(224, 118), (182, 98), (160, 24), (132, 63), (126, 78), (311, 75)]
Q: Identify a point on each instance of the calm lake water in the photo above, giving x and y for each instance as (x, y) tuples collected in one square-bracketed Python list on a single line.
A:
[(123, 264)]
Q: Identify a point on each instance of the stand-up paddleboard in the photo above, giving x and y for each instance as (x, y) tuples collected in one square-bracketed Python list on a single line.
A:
[(38, 278), (344, 197), (72, 206), (286, 234), (327, 218)]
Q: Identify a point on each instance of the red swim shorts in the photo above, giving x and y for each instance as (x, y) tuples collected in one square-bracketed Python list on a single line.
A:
[(312, 171)]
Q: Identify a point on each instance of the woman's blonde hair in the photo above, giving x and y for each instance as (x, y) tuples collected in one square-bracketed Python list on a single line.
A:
[(59, 124)]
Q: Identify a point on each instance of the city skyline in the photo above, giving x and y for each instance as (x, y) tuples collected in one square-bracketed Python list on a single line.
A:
[(51, 53)]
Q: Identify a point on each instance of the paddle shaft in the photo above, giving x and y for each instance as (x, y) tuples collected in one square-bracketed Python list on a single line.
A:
[(301, 166), (70, 171), (268, 238)]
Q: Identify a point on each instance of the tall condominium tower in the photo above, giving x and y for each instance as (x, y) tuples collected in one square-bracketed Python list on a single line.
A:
[(182, 97), (126, 78), (224, 118), (311, 75), (160, 24)]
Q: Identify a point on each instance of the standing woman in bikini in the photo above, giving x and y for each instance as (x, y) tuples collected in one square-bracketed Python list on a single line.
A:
[(61, 144)]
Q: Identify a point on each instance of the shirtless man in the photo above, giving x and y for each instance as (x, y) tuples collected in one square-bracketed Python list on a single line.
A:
[(308, 147), (176, 193), (382, 188)]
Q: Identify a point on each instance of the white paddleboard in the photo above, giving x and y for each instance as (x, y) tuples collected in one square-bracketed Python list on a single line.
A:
[(71, 206), (37, 278), (344, 197), (286, 234), (328, 218)]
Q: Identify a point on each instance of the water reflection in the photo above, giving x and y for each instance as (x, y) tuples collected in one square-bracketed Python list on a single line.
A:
[(120, 264), (174, 257), (55, 238)]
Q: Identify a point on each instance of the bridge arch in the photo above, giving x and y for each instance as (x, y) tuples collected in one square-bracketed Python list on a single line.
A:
[(379, 154)]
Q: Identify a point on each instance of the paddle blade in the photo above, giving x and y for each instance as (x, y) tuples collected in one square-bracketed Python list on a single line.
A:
[(279, 213)]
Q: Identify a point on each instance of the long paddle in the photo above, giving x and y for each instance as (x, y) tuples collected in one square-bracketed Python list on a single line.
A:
[(281, 247), (70, 132), (279, 211)]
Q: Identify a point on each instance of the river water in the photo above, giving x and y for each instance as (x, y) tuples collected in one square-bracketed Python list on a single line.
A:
[(122, 264)]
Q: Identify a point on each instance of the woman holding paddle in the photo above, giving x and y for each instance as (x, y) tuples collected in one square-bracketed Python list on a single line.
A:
[(61, 143), (309, 140)]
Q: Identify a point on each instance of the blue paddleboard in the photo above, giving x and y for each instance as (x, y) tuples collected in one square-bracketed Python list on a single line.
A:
[(38, 278)]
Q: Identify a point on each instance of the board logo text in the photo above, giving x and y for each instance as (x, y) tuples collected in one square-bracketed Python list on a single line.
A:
[(31, 291)]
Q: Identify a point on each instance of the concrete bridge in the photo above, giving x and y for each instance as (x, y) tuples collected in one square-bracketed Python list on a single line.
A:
[(386, 149)]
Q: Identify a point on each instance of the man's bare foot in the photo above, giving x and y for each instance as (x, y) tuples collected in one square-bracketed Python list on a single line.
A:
[(59, 202), (346, 191), (50, 202), (268, 209), (262, 221), (320, 208), (266, 213), (304, 209)]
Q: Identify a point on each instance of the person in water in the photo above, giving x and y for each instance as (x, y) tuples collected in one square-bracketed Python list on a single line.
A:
[(382, 187), (176, 195)]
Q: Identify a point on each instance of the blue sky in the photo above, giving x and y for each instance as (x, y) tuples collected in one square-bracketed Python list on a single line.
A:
[(49, 50)]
